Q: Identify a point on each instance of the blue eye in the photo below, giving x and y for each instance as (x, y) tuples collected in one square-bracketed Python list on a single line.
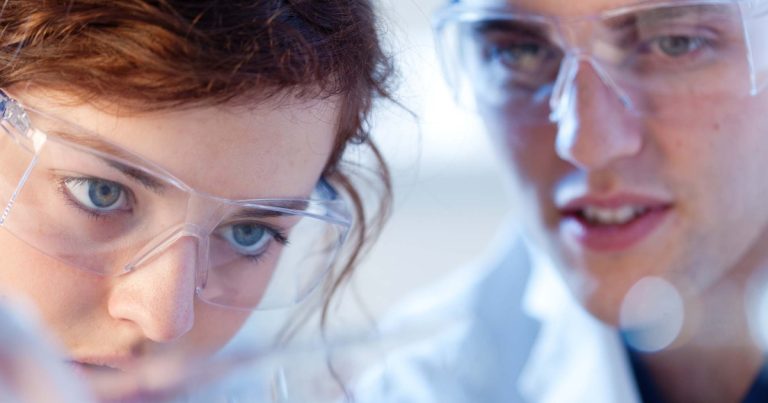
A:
[(248, 235), (96, 194), (248, 238)]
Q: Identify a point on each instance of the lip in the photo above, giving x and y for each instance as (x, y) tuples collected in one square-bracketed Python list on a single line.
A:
[(109, 378), (113, 363), (613, 238), (112, 379)]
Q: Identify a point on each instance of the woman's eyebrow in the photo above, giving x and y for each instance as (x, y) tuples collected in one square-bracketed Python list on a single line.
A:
[(262, 212), (136, 174), (256, 213), (97, 144)]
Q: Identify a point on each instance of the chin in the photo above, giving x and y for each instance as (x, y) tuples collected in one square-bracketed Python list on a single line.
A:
[(606, 309), (600, 297)]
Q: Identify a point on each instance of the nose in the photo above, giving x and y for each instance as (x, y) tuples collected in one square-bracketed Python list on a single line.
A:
[(596, 125), (159, 295)]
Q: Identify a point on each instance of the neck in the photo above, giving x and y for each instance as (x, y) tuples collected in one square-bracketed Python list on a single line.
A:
[(715, 358)]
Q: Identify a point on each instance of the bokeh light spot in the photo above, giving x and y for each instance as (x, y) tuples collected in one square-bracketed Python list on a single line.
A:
[(652, 315)]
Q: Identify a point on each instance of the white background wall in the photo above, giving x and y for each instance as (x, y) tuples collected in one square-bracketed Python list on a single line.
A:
[(448, 187), (449, 191)]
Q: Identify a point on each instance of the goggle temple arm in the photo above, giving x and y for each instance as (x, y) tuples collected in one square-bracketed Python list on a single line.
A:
[(15, 123)]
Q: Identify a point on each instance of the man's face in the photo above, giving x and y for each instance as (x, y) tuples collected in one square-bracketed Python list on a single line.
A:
[(614, 196)]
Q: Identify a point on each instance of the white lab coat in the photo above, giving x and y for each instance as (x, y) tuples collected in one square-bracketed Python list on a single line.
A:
[(527, 341)]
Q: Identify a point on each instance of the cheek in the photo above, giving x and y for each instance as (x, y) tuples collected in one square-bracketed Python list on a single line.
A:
[(61, 295), (717, 169), (719, 162), (534, 165), (530, 151), (214, 327)]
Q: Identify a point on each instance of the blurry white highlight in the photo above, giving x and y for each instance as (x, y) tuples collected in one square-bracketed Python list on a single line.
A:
[(652, 315)]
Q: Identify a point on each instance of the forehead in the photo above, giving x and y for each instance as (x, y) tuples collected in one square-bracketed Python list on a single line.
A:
[(564, 8), (271, 149)]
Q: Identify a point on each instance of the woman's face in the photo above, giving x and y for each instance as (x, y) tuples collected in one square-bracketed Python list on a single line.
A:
[(234, 152)]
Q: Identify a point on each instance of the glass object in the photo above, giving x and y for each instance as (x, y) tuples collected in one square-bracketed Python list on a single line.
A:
[(654, 56), (98, 207)]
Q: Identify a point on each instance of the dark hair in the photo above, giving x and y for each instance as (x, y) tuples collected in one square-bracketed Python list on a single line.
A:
[(151, 54)]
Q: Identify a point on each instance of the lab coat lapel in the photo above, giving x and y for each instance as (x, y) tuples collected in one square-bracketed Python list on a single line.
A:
[(575, 358)]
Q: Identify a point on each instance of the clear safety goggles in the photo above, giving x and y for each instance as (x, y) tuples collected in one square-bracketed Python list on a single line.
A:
[(655, 56), (109, 211)]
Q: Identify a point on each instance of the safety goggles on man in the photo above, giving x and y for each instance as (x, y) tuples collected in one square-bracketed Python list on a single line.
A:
[(98, 207), (655, 56)]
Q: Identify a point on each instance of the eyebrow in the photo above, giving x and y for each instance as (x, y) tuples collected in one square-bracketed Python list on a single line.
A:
[(654, 15), (684, 11), (97, 144), (256, 212), (146, 180), (511, 26)]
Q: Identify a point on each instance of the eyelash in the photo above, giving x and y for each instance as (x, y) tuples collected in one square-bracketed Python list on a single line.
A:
[(61, 187), (278, 236)]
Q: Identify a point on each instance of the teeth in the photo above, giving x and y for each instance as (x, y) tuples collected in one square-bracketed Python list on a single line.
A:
[(612, 216)]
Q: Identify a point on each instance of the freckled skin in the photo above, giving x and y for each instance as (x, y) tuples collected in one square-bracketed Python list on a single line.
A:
[(284, 149)]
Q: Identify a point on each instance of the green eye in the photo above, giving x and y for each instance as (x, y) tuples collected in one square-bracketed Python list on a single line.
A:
[(523, 56), (517, 55), (676, 46)]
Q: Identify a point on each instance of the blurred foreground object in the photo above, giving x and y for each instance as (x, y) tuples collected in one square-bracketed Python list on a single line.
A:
[(299, 372), (31, 369)]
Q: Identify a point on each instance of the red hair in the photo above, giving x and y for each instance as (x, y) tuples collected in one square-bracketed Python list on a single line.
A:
[(151, 54)]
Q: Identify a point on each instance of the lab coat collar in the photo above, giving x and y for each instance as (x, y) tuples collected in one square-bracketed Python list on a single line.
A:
[(575, 357)]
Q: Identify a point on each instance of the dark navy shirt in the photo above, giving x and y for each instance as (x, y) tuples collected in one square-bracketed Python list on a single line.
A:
[(758, 392)]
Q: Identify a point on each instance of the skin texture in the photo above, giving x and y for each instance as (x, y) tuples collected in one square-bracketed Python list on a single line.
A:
[(600, 149), (282, 146), (707, 160)]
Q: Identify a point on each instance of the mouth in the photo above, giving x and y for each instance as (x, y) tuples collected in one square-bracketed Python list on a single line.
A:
[(99, 366), (595, 216), (87, 369), (107, 381), (613, 224)]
